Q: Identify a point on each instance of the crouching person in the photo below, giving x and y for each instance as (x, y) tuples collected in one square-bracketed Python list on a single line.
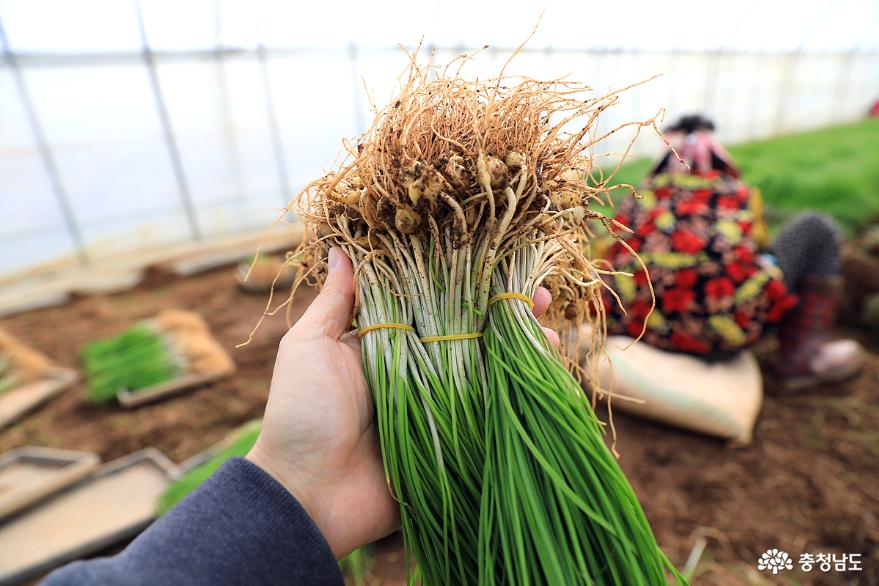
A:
[(698, 230)]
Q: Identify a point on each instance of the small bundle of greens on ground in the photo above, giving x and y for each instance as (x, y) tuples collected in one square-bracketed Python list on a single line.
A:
[(238, 446), (454, 206), (135, 359)]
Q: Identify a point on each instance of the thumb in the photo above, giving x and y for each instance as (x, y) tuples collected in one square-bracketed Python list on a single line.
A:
[(330, 313)]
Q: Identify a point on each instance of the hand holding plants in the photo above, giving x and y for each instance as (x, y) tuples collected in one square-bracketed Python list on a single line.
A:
[(318, 437)]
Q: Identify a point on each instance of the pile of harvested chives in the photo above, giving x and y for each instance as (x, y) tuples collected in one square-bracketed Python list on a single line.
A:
[(135, 359), (454, 206)]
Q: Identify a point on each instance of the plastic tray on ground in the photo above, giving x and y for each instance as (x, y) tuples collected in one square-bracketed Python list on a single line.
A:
[(20, 401), (140, 397), (99, 511), (29, 475), (188, 336)]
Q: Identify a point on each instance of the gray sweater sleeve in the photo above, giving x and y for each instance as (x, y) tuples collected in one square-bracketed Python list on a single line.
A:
[(239, 527)]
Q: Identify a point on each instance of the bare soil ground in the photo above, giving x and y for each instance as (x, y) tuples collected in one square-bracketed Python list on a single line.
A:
[(808, 483)]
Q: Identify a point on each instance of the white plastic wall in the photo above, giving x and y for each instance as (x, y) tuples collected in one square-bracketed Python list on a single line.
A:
[(259, 94)]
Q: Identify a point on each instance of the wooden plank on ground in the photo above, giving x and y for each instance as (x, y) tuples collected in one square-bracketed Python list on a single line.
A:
[(163, 390)]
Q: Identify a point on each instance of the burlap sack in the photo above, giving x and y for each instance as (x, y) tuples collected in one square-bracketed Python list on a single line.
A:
[(721, 399)]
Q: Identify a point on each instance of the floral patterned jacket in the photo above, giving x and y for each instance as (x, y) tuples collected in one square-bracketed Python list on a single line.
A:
[(715, 294)]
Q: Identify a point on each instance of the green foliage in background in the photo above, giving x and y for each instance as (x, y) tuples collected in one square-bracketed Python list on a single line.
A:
[(835, 170), (356, 564), (244, 440), (135, 359)]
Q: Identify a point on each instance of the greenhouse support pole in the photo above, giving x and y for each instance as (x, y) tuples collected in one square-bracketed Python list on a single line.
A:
[(167, 129), (274, 125), (45, 151), (229, 133)]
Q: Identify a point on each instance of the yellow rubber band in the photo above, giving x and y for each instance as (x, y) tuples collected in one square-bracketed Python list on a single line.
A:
[(389, 326), (519, 296), (450, 337), (397, 326)]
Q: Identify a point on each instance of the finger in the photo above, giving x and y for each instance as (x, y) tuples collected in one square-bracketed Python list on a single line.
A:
[(330, 312), (553, 336), (542, 299), (352, 340)]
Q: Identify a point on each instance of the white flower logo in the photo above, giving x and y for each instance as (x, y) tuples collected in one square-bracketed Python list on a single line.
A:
[(775, 560)]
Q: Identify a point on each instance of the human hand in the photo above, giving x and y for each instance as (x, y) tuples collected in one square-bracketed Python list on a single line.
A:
[(318, 435)]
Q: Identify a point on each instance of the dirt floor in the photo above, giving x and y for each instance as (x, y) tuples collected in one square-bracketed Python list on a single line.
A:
[(808, 483)]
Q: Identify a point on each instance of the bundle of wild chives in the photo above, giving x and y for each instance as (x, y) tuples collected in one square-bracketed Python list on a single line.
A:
[(135, 359), (557, 508), (454, 206), (430, 417)]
